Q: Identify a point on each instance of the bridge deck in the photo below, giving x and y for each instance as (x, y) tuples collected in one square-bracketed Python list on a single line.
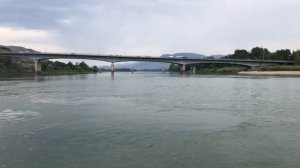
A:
[(118, 58)]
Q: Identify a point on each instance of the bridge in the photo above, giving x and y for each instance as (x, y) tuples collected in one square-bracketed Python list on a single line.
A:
[(38, 57)]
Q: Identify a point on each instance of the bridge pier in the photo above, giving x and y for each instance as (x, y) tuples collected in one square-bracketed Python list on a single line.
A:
[(194, 70), (112, 67), (37, 67), (182, 68)]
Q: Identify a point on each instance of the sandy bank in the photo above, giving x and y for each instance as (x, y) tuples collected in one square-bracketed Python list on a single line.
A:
[(271, 73)]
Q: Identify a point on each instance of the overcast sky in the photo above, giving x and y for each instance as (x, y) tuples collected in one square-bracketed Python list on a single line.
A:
[(150, 27)]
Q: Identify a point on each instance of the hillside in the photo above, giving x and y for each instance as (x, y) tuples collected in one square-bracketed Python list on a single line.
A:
[(17, 49), (187, 55), (24, 65), (16, 65)]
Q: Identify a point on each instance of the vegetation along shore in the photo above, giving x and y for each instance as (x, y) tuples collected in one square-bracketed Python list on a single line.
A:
[(14, 65), (256, 53)]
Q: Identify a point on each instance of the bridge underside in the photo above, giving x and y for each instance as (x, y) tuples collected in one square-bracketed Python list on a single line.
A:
[(182, 64)]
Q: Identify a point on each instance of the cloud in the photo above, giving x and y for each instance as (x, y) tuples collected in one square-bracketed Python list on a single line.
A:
[(15, 34), (144, 27), (30, 38), (65, 22)]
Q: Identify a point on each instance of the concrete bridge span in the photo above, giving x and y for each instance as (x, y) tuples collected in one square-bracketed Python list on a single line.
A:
[(37, 57)]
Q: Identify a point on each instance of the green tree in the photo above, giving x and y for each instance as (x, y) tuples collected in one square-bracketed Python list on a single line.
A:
[(50, 67), (283, 54), (95, 69), (241, 54), (70, 65), (83, 66), (59, 65), (260, 53), (296, 57)]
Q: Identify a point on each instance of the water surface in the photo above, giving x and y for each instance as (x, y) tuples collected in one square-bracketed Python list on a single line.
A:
[(149, 120)]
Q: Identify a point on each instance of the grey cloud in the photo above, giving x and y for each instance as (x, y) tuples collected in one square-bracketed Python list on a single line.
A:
[(36, 13), (207, 26)]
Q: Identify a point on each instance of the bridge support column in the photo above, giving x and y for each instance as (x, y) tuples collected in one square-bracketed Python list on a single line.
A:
[(112, 67), (182, 68), (194, 70), (37, 67)]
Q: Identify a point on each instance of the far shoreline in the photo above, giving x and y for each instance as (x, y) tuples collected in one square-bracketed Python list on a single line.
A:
[(270, 73)]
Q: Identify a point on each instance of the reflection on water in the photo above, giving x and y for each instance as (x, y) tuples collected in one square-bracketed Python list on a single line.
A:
[(9, 116), (149, 120)]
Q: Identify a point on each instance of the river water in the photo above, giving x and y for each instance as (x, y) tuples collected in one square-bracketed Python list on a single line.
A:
[(149, 120)]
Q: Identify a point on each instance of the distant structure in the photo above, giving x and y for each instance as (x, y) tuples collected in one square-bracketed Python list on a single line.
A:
[(181, 61)]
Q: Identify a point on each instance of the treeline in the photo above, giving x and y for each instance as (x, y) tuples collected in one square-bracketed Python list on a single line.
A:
[(27, 66), (56, 66), (259, 53), (16, 65), (210, 68)]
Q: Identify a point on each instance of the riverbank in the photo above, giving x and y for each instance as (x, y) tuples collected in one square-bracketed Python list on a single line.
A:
[(30, 74), (270, 73)]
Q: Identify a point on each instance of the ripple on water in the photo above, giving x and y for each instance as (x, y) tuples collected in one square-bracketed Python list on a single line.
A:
[(10, 116), (65, 101), (43, 127)]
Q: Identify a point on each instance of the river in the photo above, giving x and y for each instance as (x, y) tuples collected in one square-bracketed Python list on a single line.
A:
[(149, 120)]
